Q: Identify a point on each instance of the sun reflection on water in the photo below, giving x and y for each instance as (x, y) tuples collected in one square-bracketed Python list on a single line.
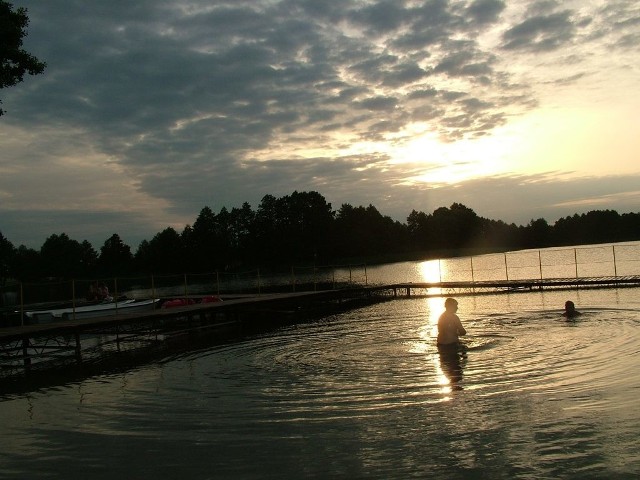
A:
[(435, 306), (430, 271)]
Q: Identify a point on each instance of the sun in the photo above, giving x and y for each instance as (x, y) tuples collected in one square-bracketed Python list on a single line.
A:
[(453, 162)]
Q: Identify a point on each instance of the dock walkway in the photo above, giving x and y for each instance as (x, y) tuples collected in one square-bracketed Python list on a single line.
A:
[(33, 347)]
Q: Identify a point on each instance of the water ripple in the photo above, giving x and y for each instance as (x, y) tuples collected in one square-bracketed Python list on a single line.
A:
[(531, 396)]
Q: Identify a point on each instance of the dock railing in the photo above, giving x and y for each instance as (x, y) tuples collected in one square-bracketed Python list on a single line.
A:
[(544, 264)]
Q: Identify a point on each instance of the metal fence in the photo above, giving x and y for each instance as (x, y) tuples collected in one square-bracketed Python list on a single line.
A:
[(602, 261)]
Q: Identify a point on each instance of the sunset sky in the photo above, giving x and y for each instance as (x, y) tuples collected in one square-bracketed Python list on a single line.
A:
[(150, 110)]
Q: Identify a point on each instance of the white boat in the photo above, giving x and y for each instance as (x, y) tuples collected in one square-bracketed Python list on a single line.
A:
[(122, 308), (88, 311)]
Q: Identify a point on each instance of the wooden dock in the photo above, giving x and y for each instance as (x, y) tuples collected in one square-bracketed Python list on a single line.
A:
[(29, 348), (81, 342)]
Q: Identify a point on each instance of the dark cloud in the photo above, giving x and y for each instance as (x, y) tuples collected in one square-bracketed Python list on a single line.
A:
[(541, 33), (485, 11), (381, 17)]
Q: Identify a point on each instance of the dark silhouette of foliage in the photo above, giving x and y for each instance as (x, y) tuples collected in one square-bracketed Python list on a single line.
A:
[(302, 229), (629, 226), (14, 61), (453, 228), (202, 241), (26, 265), (539, 234), (7, 255), (115, 257), (163, 254), (242, 221), (61, 256), (364, 232)]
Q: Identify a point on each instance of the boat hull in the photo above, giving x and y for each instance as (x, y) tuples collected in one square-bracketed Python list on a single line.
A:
[(90, 311)]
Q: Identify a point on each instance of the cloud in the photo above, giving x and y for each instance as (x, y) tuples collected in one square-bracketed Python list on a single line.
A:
[(541, 33), (485, 11), (156, 108)]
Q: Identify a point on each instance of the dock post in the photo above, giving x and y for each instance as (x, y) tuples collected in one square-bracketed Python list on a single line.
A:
[(506, 268), (78, 350), (73, 297), (259, 283), (153, 290), (293, 280), (615, 268), (21, 305), (25, 353), (473, 277), (540, 264), (186, 293)]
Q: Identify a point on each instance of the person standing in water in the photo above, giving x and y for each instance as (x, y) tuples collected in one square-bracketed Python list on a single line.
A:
[(449, 325)]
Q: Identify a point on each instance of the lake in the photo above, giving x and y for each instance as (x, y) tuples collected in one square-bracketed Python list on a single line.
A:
[(361, 394)]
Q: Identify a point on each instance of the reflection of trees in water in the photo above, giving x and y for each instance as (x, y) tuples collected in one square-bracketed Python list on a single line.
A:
[(452, 361)]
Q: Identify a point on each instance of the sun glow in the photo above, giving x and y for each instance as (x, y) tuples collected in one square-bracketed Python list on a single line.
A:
[(430, 271), (452, 162)]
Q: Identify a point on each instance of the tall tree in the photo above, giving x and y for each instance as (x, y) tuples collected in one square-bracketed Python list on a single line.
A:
[(538, 234), (14, 61), (202, 240), (267, 232), (310, 220), (163, 254), (115, 256), (27, 264), (241, 227), (63, 257), (7, 252), (418, 230)]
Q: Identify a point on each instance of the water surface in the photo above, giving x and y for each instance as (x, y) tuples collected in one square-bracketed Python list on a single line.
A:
[(363, 394)]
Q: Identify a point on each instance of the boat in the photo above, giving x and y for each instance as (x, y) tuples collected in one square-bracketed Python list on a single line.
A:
[(182, 302), (89, 311)]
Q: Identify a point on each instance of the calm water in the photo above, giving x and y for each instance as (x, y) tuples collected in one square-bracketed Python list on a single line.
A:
[(363, 394)]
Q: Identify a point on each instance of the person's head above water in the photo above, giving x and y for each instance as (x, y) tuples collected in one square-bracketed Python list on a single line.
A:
[(450, 304), (570, 309)]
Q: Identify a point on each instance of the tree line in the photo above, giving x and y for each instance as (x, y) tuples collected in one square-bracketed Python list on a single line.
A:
[(303, 229)]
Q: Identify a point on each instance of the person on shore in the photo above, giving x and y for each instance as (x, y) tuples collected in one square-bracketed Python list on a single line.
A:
[(92, 294), (103, 293), (449, 325), (570, 310)]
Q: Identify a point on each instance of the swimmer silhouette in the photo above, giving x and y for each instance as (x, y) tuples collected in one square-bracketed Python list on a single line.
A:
[(451, 351), (449, 325), (570, 310)]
